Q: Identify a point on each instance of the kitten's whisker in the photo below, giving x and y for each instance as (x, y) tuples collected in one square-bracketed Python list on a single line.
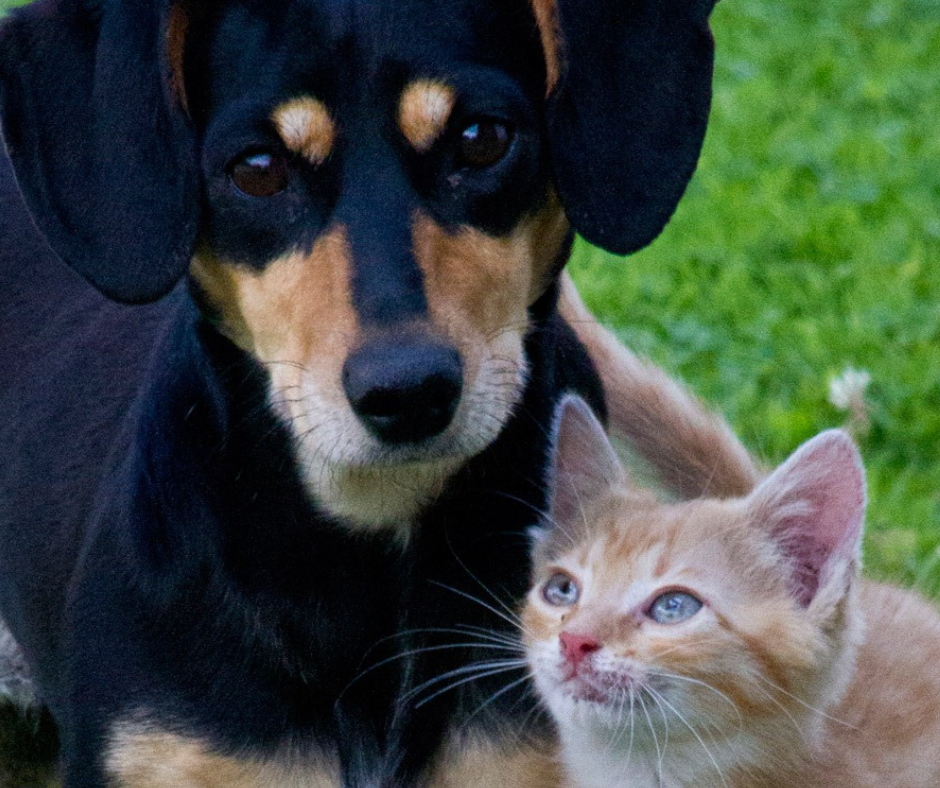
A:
[(656, 699), (464, 630), (513, 615), (617, 730), (493, 635), (466, 679), (649, 722), (498, 694), (661, 699), (706, 685), (632, 724), (463, 670), (512, 618), (626, 759), (497, 646), (782, 708), (803, 703)]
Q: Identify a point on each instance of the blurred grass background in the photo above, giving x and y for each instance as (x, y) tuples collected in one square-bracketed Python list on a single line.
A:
[(809, 243)]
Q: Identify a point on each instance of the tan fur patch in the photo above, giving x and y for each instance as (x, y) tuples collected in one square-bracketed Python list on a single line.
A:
[(424, 111), (306, 127), (469, 763), (546, 17), (298, 310), (478, 283), (143, 757)]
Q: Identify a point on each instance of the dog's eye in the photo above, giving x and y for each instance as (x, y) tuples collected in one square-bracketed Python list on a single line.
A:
[(260, 174), (484, 143)]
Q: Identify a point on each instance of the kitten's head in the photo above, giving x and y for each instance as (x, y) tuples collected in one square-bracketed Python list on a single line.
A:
[(712, 615)]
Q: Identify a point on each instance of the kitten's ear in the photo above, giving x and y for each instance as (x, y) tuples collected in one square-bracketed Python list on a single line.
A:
[(584, 464), (814, 508)]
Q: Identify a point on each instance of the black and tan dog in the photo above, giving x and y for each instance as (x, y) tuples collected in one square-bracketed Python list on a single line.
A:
[(261, 456)]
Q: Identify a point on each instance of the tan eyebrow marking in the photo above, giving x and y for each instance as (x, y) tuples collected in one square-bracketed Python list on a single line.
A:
[(306, 127), (423, 112)]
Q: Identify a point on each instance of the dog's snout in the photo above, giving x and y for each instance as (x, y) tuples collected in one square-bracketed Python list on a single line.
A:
[(404, 390)]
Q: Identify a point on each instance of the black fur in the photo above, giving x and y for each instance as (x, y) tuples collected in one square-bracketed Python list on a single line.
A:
[(160, 548)]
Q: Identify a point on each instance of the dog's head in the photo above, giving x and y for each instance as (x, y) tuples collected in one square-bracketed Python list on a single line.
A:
[(368, 194)]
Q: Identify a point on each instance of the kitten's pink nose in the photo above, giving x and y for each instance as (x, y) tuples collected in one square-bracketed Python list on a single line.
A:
[(577, 647)]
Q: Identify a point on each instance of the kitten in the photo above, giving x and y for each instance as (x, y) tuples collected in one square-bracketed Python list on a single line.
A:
[(726, 643)]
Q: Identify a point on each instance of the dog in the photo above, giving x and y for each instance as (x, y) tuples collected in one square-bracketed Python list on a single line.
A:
[(271, 440)]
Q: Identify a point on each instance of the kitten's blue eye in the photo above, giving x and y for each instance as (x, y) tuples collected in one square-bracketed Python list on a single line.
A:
[(673, 607), (561, 590)]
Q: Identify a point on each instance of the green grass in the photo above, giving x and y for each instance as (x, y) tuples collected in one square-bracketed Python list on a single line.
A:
[(809, 241)]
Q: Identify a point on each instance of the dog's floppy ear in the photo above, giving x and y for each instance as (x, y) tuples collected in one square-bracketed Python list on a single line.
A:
[(627, 111), (94, 120)]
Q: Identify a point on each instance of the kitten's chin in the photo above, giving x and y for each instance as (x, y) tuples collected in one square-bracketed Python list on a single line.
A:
[(594, 694)]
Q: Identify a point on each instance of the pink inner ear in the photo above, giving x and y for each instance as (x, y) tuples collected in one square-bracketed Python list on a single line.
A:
[(584, 465), (814, 506)]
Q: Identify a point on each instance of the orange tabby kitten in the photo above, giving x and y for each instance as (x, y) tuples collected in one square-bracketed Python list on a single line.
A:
[(726, 643)]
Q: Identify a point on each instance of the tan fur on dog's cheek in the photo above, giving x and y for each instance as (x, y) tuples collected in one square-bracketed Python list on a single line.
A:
[(141, 756), (548, 230), (477, 288), (475, 282), (298, 310), (218, 284)]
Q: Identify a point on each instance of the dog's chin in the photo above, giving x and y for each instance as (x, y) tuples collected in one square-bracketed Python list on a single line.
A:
[(374, 486)]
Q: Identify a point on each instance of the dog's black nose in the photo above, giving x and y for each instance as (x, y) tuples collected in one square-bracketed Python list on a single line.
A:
[(404, 389)]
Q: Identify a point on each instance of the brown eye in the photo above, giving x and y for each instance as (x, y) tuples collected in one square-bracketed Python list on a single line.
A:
[(260, 174), (561, 590), (483, 143)]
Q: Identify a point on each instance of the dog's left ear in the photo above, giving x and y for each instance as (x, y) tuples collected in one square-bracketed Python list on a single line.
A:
[(94, 120), (630, 85)]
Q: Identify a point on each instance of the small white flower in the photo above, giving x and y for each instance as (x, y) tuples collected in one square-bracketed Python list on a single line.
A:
[(847, 391)]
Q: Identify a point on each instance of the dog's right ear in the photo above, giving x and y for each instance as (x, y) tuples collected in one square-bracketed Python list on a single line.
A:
[(94, 119)]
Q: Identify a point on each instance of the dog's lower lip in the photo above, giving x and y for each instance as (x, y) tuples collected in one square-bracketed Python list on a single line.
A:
[(427, 453)]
